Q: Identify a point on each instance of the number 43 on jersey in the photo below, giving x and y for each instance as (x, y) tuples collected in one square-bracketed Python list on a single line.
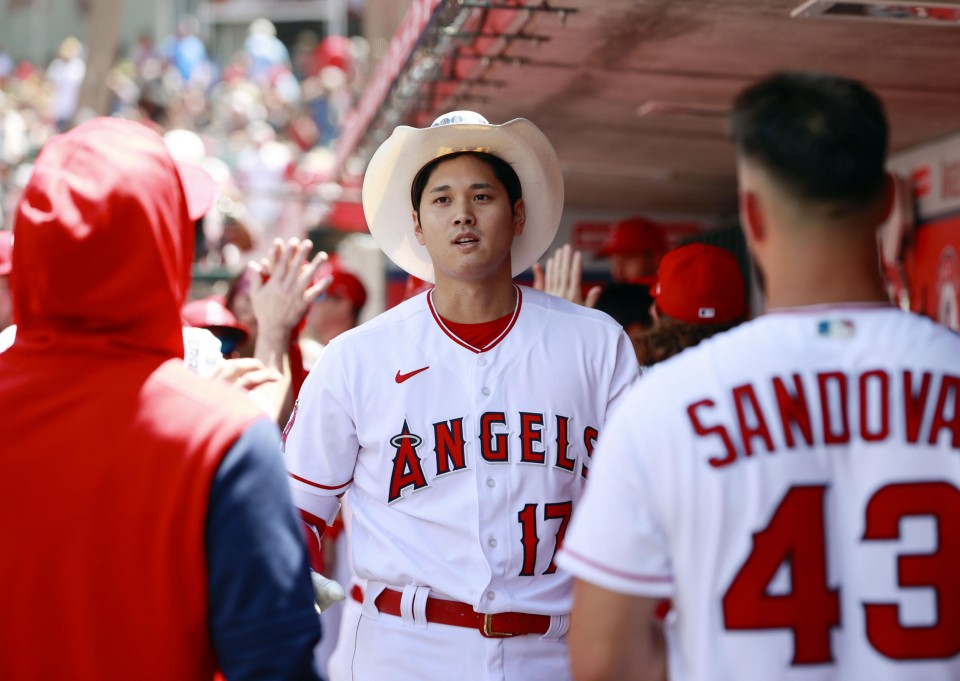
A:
[(795, 534)]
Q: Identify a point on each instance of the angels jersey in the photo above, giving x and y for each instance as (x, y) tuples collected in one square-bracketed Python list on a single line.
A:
[(794, 486), (463, 463)]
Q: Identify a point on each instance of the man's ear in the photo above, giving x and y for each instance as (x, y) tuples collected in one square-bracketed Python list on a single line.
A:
[(519, 217), (417, 230), (752, 219)]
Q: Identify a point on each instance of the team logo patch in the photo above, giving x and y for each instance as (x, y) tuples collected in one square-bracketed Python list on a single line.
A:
[(836, 328), (407, 468)]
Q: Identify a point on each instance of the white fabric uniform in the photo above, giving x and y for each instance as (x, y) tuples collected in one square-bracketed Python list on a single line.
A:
[(463, 465), (701, 493)]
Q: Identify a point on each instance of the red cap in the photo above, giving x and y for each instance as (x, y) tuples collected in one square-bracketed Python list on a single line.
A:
[(6, 253), (334, 50), (347, 287), (211, 313), (700, 284), (633, 236)]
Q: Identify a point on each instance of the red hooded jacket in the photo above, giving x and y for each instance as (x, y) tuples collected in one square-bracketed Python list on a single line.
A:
[(108, 444)]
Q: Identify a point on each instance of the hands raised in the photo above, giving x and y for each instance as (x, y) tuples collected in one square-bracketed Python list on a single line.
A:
[(281, 285), (563, 276)]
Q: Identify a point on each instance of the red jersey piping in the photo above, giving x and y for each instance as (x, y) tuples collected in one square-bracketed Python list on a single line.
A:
[(468, 346), (318, 485)]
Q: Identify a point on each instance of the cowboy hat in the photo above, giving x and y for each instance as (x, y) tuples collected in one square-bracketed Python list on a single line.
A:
[(391, 172)]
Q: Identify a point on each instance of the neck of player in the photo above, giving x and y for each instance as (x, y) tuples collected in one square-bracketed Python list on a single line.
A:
[(820, 271), (474, 302)]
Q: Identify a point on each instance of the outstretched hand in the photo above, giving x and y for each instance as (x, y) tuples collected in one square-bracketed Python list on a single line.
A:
[(247, 373), (281, 285), (563, 276)]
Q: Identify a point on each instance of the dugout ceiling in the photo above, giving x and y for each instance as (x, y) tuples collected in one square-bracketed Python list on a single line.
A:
[(633, 92)]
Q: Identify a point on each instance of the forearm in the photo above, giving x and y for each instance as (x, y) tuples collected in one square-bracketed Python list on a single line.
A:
[(273, 349), (615, 637)]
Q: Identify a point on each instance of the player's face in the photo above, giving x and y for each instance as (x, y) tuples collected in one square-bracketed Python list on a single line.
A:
[(466, 221)]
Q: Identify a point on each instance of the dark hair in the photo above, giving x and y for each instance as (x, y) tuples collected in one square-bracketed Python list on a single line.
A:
[(823, 137), (501, 169), (671, 336)]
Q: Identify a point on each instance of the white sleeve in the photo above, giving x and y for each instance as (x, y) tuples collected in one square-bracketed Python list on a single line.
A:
[(615, 539), (626, 373), (320, 440)]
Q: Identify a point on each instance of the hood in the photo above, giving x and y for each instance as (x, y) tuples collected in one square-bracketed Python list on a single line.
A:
[(104, 242)]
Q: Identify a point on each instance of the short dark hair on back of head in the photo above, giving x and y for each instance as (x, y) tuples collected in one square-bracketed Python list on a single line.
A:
[(501, 169), (823, 137)]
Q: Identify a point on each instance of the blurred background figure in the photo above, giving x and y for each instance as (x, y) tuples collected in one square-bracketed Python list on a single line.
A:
[(261, 170), (699, 293), (634, 247), (211, 314), (264, 50), (335, 310), (65, 75), (186, 52)]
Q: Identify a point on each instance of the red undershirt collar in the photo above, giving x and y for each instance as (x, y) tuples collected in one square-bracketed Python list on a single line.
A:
[(478, 337)]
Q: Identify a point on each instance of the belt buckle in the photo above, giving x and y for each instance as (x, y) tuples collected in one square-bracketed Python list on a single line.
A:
[(490, 633)]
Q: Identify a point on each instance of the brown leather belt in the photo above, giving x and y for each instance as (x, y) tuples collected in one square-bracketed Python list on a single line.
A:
[(439, 611)]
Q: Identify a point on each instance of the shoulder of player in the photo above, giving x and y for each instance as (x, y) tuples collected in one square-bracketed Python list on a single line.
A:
[(938, 332), (384, 323), (572, 312)]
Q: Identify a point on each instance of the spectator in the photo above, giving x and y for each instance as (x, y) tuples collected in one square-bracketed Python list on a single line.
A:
[(65, 75), (265, 51), (187, 53)]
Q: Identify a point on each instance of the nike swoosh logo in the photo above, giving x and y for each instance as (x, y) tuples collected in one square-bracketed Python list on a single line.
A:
[(402, 377)]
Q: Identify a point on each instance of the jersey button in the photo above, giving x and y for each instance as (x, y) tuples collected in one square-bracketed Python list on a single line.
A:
[(485, 391), (491, 595), (482, 361), (493, 543), (491, 482)]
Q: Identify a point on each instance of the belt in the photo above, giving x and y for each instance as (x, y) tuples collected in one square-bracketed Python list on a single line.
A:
[(439, 611), (356, 593)]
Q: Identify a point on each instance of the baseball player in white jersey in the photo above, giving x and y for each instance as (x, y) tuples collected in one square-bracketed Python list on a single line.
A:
[(463, 420), (793, 485)]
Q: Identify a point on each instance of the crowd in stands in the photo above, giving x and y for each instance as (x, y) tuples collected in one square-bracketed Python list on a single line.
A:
[(263, 123)]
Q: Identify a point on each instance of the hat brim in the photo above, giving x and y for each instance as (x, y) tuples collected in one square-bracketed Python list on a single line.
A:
[(198, 186), (391, 171)]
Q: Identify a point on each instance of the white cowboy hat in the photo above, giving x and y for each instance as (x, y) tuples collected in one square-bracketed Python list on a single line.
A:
[(391, 171)]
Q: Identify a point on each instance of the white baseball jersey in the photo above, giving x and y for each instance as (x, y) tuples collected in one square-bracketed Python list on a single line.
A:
[(463, 463), (794, 486)]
